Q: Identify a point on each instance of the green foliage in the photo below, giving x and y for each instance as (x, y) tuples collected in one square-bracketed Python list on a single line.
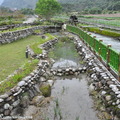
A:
[(47, 8), (46, 90), (95, 10), (27, 11), (114, 6), (9, 22), (90, 6), (25, 70), (36, 46), (103, 31)]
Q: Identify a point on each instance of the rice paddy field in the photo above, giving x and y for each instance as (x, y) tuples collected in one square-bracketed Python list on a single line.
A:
[(105, 19)]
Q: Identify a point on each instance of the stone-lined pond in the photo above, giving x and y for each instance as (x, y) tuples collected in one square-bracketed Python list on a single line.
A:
[(70, 94)]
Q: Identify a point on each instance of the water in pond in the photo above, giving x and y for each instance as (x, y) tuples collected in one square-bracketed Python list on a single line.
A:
[(65, 54), (71, 100), (109, 40)]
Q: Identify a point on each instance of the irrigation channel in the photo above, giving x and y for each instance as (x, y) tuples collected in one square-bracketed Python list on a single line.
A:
[(108, 41), (70, 98)]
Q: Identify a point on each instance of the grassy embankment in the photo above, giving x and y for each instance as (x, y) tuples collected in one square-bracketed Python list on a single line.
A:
[(15, 29), (12, 57), (102, 31)]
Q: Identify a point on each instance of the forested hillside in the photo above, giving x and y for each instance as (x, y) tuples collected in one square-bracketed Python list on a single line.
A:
[(92, 6), (19, 3), (86, 6)]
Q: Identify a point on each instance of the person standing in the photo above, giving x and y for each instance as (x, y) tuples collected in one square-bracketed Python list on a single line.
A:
[(64, 26)]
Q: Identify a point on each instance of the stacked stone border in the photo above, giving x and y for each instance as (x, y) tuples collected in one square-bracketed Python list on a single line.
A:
[(101, 81), (13, 36)]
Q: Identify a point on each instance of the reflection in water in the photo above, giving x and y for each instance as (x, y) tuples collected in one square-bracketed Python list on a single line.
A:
[(72, 99), (64, 63)]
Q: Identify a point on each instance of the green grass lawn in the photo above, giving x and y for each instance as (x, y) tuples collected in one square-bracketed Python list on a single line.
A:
[(12, 56)]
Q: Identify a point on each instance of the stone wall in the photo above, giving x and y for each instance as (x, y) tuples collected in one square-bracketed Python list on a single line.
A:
[(13, 36), (7, 27)]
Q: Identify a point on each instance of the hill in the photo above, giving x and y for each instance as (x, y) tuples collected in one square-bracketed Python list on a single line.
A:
[(19, 3), (91, 6)]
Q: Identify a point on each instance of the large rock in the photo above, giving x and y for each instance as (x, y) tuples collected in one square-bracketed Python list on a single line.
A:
[(91, 87), (46, 90), (108, 98), (50, 82), (21, 83)]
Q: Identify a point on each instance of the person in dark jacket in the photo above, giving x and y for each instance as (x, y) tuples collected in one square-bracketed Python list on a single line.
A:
[(73, 20)]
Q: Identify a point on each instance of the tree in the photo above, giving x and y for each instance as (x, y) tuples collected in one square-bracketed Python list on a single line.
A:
[(27, 11), (47, 8), (95, 10)]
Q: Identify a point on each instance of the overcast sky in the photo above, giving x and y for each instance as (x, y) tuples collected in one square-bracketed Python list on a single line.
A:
[(1, 1)]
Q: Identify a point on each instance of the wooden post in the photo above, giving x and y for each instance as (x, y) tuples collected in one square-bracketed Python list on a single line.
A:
[(100, 50), (119, 68), (108, 57)]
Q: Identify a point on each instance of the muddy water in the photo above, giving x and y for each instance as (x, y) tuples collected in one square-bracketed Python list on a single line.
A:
[(72, 97), (109, 40)]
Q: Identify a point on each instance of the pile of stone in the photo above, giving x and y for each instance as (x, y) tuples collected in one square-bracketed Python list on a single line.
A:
[(68, 71), (106, 86)]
